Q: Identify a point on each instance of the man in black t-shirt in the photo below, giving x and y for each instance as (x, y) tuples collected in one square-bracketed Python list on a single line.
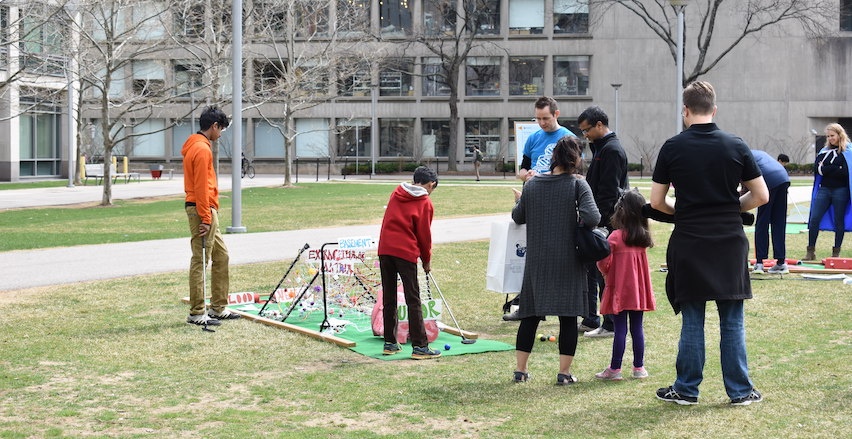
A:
[(707, 255)]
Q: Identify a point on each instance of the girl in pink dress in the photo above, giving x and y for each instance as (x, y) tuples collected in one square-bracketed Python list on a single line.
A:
[(628, 293)]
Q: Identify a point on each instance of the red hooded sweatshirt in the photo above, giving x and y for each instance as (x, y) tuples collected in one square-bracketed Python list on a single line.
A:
[(407, 226)]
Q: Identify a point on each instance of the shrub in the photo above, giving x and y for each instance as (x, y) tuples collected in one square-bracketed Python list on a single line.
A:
[(634, 167)]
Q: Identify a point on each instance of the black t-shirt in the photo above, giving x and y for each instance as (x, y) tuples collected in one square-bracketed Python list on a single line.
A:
[(705, 165)]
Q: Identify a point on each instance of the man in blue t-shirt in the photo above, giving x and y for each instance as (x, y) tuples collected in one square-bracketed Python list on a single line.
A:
[(539, 146), (773, 213), (538, 151)]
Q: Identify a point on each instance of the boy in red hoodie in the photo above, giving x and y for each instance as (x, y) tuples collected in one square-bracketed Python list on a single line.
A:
[(406, 235)]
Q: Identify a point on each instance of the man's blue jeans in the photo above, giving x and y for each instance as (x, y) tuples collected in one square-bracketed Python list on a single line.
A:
[(838, 197), (772, 214), (690, 355)]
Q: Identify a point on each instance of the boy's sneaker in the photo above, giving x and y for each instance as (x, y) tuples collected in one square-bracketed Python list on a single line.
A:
[(758, 269), (424, 353), (669, 394), (640, 372), (754, 396), (225, 314), (391, 348), (609, 374), (779, 269), (599, 333), (202, 319)]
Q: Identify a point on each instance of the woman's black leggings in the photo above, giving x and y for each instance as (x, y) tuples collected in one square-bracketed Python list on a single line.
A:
[(567, 334)]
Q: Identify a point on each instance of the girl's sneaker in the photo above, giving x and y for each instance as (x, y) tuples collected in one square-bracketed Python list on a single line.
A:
[(610, 374), (640, 373)]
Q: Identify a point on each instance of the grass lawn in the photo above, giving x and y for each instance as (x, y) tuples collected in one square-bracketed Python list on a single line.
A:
[(115, 358)]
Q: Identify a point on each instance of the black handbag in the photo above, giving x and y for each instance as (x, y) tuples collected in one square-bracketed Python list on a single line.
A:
[(591, 244)]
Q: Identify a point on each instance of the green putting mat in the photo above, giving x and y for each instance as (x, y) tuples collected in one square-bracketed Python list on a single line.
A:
[(357, 328), (792, 228)]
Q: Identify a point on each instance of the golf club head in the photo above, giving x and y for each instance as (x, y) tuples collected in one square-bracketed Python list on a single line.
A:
[(468, 340), (206, 329)]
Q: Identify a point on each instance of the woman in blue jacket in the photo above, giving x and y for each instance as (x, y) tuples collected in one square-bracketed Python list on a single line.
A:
[(830, 203)]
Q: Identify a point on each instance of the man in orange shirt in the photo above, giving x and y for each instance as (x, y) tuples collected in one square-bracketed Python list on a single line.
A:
[(202, 206)]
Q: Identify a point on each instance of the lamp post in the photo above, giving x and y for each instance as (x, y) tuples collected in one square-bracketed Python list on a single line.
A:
[(237, 120), (679, 6), (615, 125)]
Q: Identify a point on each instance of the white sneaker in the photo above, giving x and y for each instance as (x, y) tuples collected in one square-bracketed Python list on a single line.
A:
[(758, 269), (225, 314), (599, 333), (778, 269), (202, 319)]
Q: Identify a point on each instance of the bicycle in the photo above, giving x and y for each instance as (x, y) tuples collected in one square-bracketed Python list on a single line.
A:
[(247, 168)]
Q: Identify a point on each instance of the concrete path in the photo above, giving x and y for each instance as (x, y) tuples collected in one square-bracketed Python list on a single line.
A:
[(55, 266)]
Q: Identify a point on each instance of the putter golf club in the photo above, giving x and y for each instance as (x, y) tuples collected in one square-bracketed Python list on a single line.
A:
[(465, 340), (204, 282)]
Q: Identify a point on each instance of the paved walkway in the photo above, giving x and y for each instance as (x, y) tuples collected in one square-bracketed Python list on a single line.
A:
[(55, 266)]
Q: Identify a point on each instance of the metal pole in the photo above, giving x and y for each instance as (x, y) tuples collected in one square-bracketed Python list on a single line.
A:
[(374, 135), (679, 76), (615, 125), (237, 119)]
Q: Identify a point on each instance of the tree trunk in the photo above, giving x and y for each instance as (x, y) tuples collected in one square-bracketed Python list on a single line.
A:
[(288, 156), (107, 196)]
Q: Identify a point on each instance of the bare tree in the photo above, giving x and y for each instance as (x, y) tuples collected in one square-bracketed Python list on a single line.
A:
[(302, 58), (754, 18), (200, 31), (119, 61), (451, 35)]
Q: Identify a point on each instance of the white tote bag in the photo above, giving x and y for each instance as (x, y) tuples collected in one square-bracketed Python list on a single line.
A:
[(506, 257)]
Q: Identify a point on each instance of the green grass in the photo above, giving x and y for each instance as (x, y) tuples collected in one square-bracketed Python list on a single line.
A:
[(114, 358), (33, 184), (307, 205)]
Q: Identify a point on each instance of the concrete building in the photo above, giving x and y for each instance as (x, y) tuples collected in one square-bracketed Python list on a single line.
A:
[(774, 87)]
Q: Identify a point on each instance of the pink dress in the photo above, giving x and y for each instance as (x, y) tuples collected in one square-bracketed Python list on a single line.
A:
[(628, 278)]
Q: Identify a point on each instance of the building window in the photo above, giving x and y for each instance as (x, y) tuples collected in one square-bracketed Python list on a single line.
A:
[(180, 132), (570, 16), (188, 79), (436, 137), (395, 18), (354, 79), (353, 17), (42, 41), (311, 20), (146, 19), (526, 17), (846, 15), (149, 78), (484, 16), (4, 37), (434, 78), (39, 130), (268, 139), (268, 75), (484, 134), (312, 138), (483, 76), (396, 137), (354, 137), (439, 17), (152, 139), (395, 77), (526, 75), (571, 75), (189, 19)]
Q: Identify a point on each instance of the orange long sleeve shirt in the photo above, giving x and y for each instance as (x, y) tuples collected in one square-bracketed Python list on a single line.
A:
[(199, 177)]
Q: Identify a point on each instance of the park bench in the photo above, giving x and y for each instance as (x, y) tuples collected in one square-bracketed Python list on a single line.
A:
[(96, 171)]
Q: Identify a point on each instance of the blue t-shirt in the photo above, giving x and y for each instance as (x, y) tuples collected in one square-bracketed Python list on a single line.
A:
[(773, 172), (539, 148)]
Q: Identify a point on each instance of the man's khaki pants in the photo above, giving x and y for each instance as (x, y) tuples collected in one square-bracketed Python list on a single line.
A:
[(216, 251)]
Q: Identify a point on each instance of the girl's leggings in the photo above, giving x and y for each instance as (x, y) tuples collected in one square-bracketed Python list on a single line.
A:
[(619, 342)]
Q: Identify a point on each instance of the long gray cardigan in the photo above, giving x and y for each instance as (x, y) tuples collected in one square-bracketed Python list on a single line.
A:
[(554, 278)]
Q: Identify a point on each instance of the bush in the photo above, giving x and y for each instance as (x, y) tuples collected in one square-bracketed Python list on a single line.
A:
[(504, 166), (381, 168), (634, 167)]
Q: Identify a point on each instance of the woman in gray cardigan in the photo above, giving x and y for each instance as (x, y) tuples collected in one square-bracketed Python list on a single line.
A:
[(554, 278)]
